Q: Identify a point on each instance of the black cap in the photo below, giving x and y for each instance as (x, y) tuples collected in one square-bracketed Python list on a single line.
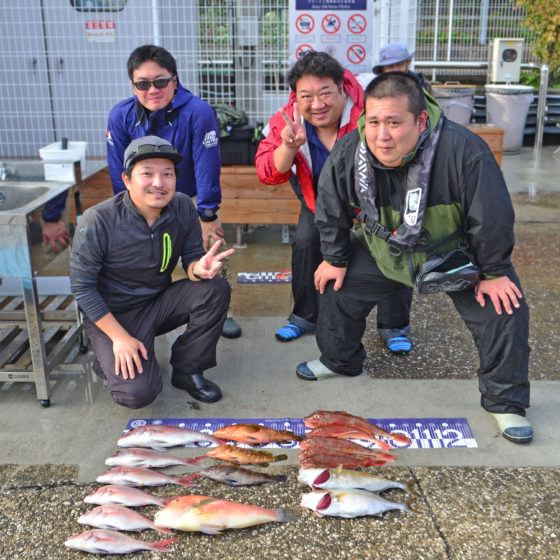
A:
[(149, 147)]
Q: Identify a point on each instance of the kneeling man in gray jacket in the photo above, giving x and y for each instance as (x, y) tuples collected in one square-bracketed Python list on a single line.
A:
[(123, 254)]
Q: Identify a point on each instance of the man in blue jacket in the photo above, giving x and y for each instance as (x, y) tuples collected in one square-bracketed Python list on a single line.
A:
[(123, 255), (163, 107)]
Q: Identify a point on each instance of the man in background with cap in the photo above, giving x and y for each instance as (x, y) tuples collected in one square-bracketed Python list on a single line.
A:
[(396, 58), (162, 106), (123, 254)]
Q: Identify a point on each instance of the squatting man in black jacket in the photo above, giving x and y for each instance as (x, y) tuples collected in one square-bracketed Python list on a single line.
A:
[(123, 254), (424, 185)]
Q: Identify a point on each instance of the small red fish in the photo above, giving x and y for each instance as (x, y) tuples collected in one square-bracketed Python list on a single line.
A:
[(124, 496), (346, 432), (343, 446), (320, 417), (242, 456), (136, 476), (148, 459), (255, 434), (100, 541), (118, 518)]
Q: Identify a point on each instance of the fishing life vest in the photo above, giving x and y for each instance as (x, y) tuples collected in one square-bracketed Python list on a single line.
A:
[(408, 234)]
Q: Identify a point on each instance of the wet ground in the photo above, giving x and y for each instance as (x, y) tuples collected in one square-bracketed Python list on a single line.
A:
[(495, 501)]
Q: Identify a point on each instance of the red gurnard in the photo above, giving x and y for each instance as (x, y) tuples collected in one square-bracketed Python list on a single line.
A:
[(135, 476), (320, 417), (309, 460), (211, 516), (343, 446), (99, 541), (341, 431)]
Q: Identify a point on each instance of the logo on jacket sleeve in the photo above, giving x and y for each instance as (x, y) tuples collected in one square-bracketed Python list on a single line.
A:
[(210, 140), (109, 138)]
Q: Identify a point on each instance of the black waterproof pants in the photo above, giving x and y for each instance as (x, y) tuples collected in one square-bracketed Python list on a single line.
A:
[(501, 340), (202, 305), (392, 315)]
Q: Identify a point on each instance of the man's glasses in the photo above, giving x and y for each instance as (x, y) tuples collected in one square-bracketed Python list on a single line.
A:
[(150, 149), (160, 83)]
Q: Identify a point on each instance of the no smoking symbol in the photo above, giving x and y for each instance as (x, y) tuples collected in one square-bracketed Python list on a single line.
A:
[(357, 23), (330, 23), (356, 54)]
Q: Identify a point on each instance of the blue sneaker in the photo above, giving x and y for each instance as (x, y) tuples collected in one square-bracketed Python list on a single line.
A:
[(399, 345), (289, 332)]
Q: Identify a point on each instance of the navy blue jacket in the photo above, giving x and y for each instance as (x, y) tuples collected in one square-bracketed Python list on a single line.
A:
[(190, 124)]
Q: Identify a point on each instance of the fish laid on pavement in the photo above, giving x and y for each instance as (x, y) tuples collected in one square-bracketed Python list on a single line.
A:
[(312, 460), (212, 516), (238, 476), (118, 518), (346, 432), (148, 459), (124, 496), (338, 446), (136, 476), (320, 417), (160, 436), (100, 541), (351, 503), (242, 456), (255, 434), (328, 479)]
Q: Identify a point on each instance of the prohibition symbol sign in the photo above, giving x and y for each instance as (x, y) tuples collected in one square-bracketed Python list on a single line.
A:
[(305, 23), (357, 23), (330, 23), (303, 49), (356, 54)]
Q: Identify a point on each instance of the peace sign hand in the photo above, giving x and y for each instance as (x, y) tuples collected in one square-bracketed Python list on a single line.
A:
[(293, 134), (208, 266)]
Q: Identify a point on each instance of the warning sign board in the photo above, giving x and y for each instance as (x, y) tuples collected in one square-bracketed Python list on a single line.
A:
[(305, 23), (356, 54), (340, 27), (357, 24), (303, 49), (330, 23)]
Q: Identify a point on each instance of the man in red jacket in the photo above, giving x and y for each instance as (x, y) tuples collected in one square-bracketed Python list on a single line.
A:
[(324, 104)]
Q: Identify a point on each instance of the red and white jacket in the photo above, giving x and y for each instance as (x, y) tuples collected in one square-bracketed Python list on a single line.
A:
[(264, 160)]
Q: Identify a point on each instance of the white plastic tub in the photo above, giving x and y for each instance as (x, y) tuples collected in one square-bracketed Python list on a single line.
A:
[(59, 163)]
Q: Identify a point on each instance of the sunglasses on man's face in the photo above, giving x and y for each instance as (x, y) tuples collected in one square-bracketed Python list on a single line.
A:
[(159, 83)]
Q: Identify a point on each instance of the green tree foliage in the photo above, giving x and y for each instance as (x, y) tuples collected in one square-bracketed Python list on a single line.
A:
[(543, 18)]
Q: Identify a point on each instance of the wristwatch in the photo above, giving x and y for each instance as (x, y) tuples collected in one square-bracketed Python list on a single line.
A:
[(208, 214)]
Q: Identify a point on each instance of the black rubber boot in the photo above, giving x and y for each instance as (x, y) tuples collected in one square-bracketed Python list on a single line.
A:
[(197, 386)]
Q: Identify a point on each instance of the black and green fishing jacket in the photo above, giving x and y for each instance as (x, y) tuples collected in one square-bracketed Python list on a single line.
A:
[(466, 192)]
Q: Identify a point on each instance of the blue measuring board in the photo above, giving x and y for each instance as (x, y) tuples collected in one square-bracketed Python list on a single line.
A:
[(425, 433)]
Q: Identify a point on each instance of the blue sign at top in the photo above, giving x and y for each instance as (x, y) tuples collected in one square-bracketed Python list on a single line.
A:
[(331, 4)]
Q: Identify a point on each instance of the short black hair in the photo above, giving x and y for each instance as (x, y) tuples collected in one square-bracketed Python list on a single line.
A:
[(319, 64), (154, 53), (397, 84)]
